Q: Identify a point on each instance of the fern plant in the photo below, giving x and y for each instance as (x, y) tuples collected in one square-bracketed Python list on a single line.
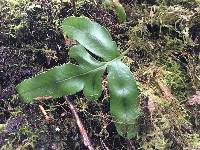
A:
[(69, 79)]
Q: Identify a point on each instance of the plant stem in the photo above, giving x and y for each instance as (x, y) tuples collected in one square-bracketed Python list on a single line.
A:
[(47, 118), (122, 54), (86, 139), (126, 51)]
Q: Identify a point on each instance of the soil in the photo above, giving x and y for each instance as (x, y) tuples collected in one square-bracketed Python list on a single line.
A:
[(22, 55), (34, 42), (16, 65)]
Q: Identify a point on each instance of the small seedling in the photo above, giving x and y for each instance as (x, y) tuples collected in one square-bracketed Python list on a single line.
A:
[(117, 7), (69, 79)]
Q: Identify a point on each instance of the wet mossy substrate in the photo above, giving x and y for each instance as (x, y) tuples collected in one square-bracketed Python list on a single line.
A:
[(165, 59), (31, 43), (161, 56)]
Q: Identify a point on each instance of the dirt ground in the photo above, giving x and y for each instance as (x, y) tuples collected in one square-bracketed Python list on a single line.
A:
[(165, 60)]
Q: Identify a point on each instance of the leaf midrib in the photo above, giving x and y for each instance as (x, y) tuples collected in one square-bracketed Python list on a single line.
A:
[(98, 68), (93, 36), (66, 79)]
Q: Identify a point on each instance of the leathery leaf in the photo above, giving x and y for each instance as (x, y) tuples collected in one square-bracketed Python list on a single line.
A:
[(68, 79), (92, 36), (95, 69), (124, 105)]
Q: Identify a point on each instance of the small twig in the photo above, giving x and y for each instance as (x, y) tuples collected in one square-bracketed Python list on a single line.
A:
[(104, 145), (129, 145), (74, 6), (44, 113), (86, 139), (95, 2)]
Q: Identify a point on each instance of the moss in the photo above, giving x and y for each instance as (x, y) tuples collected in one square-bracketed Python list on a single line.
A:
[(171, 128), (159, 53), (166, 50), (18, 135), (177, 79), (175, 2), (159, 45)]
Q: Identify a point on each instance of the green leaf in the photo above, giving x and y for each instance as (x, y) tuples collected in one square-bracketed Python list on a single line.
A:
[(107, 3), (117, 7), (124, 105), (92, 36), (55, 82), (68, 79), (92, 80), (120, 11)]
